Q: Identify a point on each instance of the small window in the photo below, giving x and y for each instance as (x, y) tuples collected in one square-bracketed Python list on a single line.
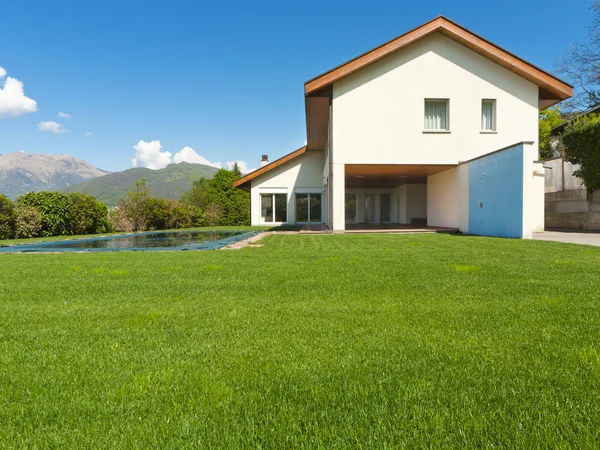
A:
[(488, 115), (273, 208), (436, 115)]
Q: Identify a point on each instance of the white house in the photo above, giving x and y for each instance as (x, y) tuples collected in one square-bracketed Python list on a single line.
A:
[(438, 126)]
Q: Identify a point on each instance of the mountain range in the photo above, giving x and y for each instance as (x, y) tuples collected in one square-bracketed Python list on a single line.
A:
[(169, 183), (22, 172)]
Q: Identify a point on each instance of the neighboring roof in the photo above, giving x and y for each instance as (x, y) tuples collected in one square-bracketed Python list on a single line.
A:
[(560, 128), (272, 165), (551, 86)]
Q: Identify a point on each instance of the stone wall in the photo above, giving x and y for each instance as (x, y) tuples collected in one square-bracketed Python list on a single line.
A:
[(576, 209)]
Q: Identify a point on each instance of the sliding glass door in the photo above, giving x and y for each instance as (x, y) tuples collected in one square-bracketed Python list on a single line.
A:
[(386, 208), (273, 208), (308, 208), (351, 210)]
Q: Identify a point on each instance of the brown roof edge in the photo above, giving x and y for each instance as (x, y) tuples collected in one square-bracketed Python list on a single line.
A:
[(453, 31), (272, 165)]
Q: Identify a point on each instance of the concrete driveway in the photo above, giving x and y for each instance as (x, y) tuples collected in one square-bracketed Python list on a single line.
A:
[(571, 237)]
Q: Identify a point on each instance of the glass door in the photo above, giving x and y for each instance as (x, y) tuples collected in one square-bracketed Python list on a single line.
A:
[(369, 208), (308, 208), (350, 207), (386, 208)]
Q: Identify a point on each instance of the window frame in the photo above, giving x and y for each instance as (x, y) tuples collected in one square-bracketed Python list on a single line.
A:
[(273, 202), (308, 194), (437, 130), (494, 128)]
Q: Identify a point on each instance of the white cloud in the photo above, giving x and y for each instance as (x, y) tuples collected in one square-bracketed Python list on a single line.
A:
[(87, 133), (243, 166), (63, 115), (189, 155), (52, 127), (149, 154), (12, 98)]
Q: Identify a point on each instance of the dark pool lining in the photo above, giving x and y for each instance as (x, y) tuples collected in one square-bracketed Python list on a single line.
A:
[(53, 246)]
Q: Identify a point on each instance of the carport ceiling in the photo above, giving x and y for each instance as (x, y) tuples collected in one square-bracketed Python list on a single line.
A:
[(390, 175)]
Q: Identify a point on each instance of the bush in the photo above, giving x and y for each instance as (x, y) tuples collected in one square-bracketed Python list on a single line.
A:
[(55, 209), (28, 221), (185, 216), (582, 140), (133, 205), (88, 215), (157, 214), (120, 221), (233, 203), (7, 217), (212, 215)]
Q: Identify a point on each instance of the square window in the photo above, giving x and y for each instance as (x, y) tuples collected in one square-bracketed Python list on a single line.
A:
[(436, 115)]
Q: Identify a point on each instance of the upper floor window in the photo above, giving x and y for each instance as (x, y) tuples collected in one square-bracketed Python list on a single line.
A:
[(436, 115), (488, 115)]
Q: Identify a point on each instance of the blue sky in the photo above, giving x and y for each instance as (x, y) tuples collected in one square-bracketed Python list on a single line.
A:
[(222, 78)]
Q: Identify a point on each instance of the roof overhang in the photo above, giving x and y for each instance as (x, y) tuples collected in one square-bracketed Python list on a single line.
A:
[(552, 90), (244, 182)]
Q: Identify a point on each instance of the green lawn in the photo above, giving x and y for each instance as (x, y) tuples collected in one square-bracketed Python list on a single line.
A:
[(311, 341)]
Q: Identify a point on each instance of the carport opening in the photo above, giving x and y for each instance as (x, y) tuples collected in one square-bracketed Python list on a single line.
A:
[(384, 195)]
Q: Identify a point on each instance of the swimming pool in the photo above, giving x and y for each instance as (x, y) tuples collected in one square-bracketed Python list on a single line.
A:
[(147, 241)]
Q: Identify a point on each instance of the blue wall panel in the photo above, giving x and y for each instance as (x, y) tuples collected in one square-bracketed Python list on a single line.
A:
[(496, 194)]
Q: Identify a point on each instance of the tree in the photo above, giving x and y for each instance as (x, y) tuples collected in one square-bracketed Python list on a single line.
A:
[(7, 217), (157, 214), (582, 140), (196, 195), (88, 215), (55, 209), (233, 203), (134, 204), (549, 118), (236, 170), (581, 66)]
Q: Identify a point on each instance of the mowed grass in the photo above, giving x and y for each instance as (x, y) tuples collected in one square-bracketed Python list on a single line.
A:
[(311, 341)]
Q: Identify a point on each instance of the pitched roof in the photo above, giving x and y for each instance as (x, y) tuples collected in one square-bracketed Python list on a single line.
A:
[(551, 87), (272, 165)]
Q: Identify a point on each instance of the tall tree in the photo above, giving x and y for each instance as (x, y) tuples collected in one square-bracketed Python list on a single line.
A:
[(236, 170), (233, 204), (135, 204), (581, 66)]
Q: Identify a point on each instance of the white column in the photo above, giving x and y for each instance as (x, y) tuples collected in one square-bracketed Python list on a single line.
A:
[(338, 187)]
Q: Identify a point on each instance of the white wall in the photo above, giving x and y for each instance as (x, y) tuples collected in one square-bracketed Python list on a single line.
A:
[(303, 173), (448, 199), (533, 192), (378, 112)]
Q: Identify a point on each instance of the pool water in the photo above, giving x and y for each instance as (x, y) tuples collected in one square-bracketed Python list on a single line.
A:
[(152, 240)]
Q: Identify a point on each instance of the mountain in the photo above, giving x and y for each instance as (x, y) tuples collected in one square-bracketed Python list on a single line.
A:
[(170, 182), (22, 172)]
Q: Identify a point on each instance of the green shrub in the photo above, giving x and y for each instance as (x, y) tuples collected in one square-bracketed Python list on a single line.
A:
[(27, 221), (88, 215), (157, 214), (185, 216), (133, 205), (582, 140), (55, 208), (233, 203), (7, 217)]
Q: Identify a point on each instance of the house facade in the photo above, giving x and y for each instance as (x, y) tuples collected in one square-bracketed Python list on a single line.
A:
[(437, 127)]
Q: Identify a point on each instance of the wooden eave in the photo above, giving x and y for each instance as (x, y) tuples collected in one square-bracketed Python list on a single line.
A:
[(245, 180), (552, 89)]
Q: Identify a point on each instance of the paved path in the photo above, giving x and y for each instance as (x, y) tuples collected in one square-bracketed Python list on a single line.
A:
[(571, 237)]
